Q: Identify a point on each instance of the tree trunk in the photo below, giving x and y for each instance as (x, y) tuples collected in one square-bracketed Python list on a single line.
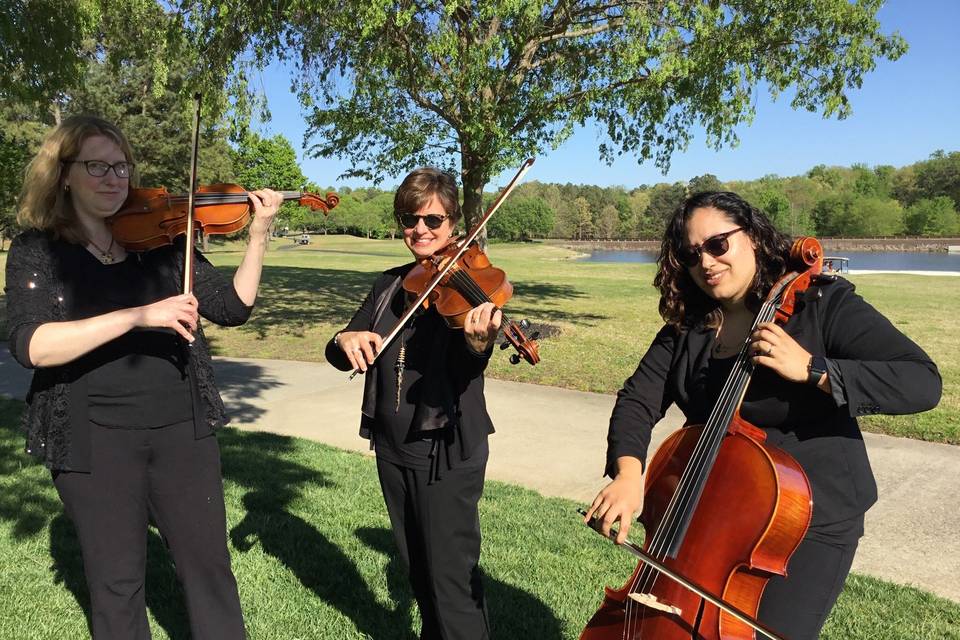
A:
[(473, 183)]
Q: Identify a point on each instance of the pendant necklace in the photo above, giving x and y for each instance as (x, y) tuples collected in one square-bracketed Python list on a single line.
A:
[(105, 256), (398, 368)]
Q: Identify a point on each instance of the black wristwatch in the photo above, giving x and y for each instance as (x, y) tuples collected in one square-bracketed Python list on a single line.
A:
[(815, 370)]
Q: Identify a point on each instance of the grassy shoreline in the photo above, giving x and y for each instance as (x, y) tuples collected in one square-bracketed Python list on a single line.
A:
[(600, 317)]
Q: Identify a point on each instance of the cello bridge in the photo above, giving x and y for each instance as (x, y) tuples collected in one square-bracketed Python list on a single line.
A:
[(649, 600)]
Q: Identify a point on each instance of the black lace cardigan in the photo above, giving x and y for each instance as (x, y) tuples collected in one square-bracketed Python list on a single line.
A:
[(38, 291)]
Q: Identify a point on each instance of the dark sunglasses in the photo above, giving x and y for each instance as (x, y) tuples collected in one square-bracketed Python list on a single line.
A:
[(410, 220), (715, 245)]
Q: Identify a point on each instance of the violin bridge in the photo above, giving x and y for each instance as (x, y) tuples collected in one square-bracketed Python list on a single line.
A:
[(649, 600)]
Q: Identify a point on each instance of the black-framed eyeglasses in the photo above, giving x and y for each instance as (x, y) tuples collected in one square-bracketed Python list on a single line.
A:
[(714, 245), (99, 168), (410, 220)]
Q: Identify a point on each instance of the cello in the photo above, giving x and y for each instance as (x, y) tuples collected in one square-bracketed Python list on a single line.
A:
[(722, 510)]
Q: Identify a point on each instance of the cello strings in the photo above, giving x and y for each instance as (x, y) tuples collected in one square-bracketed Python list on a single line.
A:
[(694, 476), (705, 449), (703, 457), (657, 547)]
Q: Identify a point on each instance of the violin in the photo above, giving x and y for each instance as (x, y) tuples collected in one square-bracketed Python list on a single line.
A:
[(152, 218), (453, 268), (723, 512), (472, 281)]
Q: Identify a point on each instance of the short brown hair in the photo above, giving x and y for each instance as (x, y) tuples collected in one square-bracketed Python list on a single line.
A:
[(421, 185), (43, 202)]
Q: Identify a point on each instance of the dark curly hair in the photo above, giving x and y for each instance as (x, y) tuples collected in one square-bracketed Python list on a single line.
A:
[(682, 303)]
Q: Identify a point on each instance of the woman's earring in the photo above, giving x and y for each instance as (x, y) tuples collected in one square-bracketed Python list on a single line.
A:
[(66, 188)]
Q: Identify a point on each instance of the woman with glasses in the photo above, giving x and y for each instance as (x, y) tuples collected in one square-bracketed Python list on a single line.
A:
[(836, 359), (123, 405), (425, 415)]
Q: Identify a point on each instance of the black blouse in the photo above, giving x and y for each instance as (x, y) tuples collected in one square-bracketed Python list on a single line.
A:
[(42, 286), (874, 369), (138, 380), (442, 418)]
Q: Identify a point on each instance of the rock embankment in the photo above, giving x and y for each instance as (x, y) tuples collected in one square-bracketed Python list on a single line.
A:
[(830, 245)]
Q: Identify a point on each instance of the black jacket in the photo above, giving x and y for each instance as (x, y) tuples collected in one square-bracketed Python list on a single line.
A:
[(874, 369), (40, 288), (455, 376)]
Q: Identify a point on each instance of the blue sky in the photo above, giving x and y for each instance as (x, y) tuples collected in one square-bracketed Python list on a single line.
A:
[(904, 111)]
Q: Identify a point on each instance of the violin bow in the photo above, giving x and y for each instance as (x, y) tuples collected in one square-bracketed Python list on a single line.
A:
[(188, 252), (636, 550), (462, 245)]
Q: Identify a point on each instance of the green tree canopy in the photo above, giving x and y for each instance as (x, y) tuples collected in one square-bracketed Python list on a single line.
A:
[(521, 218), (486, 83), (932, 217)]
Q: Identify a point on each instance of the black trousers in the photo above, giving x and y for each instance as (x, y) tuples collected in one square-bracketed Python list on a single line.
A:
[(797, 606), (167, 475), (436, 526)]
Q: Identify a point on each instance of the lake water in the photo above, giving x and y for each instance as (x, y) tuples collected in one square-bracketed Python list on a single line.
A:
[(859, 260)]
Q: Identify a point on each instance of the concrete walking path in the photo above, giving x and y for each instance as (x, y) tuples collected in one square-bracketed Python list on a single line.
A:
[(553, 441)]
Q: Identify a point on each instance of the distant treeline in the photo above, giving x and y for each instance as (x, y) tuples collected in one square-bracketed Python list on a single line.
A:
[(922, 199)]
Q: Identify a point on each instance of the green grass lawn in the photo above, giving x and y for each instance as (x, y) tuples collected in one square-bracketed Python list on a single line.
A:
[(314, 557), (600, 317)]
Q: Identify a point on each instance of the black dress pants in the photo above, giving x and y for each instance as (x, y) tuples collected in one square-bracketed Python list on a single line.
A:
[(436, 526), (797, 606), (169, 476)]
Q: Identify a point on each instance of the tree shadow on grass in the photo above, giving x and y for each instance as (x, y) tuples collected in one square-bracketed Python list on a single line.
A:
[(294, 298), (514, 612), (29, 502), (260, 463), (162, 590)]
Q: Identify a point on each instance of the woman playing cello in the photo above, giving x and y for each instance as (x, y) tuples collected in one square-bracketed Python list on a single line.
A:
[(120, 408), (837, 358), (425, 413)]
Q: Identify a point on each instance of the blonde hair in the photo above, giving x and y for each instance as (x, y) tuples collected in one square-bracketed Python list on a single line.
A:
[(44, 203)]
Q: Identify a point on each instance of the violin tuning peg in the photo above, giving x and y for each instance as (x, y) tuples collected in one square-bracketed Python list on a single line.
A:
[(535, 335), (514, 359), (504, 345)]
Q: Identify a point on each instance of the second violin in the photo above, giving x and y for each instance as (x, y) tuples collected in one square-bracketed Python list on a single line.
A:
[(152, 217)]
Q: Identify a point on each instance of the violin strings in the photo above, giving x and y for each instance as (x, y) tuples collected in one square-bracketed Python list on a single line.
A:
[(470, 287), (237, 197)]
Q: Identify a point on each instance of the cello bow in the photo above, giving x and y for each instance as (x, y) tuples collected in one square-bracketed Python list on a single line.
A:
[(718, 602)]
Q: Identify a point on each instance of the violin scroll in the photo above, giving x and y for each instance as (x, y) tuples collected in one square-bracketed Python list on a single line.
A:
[(527, 347), (316, 203)]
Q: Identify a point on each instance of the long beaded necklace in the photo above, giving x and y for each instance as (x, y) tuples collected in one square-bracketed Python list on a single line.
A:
[(106, 257)]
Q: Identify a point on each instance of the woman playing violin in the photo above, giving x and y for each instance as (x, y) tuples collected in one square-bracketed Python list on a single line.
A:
[(121, 409), (837, 358), (425, 414)]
